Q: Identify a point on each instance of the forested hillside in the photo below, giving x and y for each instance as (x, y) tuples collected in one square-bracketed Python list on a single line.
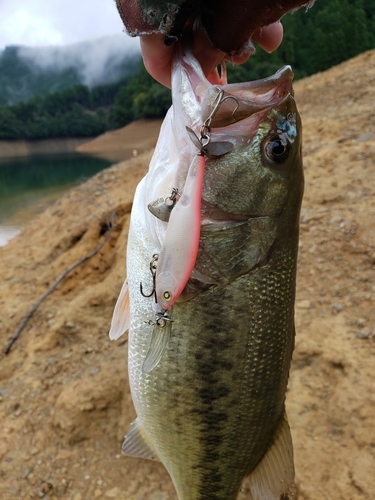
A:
[(331, 32), (83, 112), (28, 71)]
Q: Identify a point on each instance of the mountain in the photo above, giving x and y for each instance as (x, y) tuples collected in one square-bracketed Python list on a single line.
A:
[(28, 71)]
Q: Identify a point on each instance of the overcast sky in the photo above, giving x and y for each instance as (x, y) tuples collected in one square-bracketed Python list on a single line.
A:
[(58, 22)]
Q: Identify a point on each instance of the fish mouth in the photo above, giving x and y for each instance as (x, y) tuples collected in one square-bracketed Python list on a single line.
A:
[(215, 217), (226, 104), (224, 114), (250, 98)]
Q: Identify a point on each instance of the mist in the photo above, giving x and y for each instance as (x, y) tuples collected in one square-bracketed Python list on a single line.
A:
[(98, 61)]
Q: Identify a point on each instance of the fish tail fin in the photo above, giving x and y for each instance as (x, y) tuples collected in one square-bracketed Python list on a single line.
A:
[(273, 478)]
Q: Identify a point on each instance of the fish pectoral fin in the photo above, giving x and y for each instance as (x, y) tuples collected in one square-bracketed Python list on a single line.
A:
[(273, 478), (159, 343), (136, 443), (121, 314)]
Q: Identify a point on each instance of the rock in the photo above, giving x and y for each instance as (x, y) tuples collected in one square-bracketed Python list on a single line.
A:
[(14, 490), (337, 307), (112, 493), (363, 473), (303, 304), (158, 495), (60, 490), (26, 472), (63, 454), (363, 334)]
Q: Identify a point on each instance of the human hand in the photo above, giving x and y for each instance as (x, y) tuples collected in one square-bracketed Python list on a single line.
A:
[(158, 58)]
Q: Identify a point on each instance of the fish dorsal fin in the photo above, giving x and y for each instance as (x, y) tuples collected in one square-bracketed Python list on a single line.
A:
[(136, 443), (159, 343), (273, 477), (121, 315)]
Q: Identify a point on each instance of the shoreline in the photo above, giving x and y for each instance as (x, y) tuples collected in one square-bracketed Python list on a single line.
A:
[(21, 149), (114, 145)]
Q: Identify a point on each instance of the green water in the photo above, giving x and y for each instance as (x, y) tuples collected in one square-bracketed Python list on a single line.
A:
[(28, 185)]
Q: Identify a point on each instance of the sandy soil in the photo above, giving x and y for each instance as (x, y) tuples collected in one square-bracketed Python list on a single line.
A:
[(64, 397)]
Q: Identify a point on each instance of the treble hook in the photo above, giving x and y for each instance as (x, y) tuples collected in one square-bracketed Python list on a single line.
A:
[(206, 127), (203, 143), (145, 294), (153, 265), (234, 99)]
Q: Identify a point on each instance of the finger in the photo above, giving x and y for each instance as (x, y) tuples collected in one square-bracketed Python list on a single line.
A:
[(269, 37), (207, 55), (157, 58)]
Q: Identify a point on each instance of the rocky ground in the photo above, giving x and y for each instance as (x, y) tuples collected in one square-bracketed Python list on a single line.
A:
[(64, 396)]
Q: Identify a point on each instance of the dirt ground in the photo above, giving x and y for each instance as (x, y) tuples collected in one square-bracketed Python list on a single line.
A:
[(64, 396)]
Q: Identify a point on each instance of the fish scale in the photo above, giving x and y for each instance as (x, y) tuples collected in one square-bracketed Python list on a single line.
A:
[(211, 405), (203, 376)]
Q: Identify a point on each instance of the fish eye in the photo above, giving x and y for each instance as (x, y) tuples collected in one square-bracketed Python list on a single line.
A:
[(167, 296), (277, 150)]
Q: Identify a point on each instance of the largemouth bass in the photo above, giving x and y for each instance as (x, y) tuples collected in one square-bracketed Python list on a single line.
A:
[(218, 211)]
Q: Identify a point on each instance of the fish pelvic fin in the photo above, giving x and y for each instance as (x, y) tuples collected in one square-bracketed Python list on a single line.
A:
[(121, 314), (159, 343), (273, 478), (136, 443)]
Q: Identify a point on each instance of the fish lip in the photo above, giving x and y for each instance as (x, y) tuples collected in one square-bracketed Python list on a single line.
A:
[(212, 215), (209, 223), (221, 224), (201, 96), (247, 127), (253, 98), (283, 75), (216, 219)]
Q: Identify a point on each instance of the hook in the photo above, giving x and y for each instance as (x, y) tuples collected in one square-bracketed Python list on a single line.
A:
[(153, 265), (144, 294), (206, 127)]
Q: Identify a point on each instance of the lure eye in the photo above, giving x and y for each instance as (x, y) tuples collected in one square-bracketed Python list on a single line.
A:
[(167, 296), (161, 322), (277, 150)]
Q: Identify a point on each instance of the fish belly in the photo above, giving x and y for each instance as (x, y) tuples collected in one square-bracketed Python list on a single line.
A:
[(211, 407)]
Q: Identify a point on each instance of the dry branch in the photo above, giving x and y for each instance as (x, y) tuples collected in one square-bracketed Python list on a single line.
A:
[(58, 281)]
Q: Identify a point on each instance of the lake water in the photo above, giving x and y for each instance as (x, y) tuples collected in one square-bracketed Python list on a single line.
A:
[(28, 185)]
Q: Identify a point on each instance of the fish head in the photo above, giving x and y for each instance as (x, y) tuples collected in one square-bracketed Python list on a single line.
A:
[(264, 168), (252, 193)]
